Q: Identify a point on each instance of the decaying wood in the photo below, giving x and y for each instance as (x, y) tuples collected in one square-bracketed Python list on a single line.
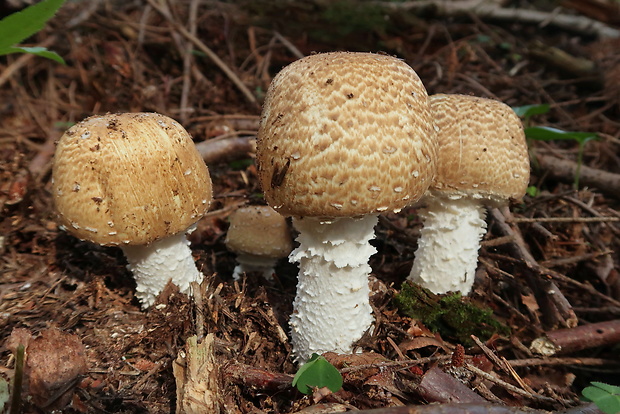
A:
[(196, 373), (565, 170), (438, 386), (577, 339), (256, 378), (492, 10)]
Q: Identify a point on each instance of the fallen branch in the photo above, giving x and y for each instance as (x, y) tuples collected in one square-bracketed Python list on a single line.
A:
[(485, 9), (577, 339), (535, 362), (564, 170), (216, 151), (256, 378)]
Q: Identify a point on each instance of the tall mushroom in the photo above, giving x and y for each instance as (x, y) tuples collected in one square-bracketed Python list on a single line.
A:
[(137, 181), (482, 161), (343, 137)]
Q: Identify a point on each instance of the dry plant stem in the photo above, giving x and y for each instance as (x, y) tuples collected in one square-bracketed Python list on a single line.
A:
[(549, 297), (510, 387), (485, 9), (564, 170), (501, 363), (207, 51), (577, 339), (256, 378), (16, 397), (216, 151), (438, 386), (188, 62)]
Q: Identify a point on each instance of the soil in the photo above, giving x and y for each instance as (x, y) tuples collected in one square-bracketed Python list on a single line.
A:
[(75, 300)]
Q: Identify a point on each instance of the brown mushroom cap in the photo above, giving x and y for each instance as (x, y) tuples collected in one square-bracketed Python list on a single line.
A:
[(259, 231), (482, 149), (345, 134), (129, 178)]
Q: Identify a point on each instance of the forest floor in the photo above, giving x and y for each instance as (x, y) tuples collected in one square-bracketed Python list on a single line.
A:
[(549, 265)]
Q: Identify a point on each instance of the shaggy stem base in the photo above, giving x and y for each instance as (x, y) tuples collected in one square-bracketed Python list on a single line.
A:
[(332, 307)]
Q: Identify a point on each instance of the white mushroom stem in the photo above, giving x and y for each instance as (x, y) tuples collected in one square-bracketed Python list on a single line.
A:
[(154, 265), (253, 263), (447, 253), (332, 308)]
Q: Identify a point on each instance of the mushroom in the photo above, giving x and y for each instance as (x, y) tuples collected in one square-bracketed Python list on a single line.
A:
[(482, 161), (137, 181), (343, 137), (260, 236)]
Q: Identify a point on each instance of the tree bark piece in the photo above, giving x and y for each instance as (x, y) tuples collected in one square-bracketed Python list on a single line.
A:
[(438, 386), (576, 339), (196, 374)]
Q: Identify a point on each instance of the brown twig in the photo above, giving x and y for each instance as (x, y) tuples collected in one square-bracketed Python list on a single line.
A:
[(502, 364), (577, 339), (512, 388), (534, 362)]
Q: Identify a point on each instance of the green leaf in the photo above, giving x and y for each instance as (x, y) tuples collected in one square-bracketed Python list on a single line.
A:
[(528, 110), (21, 25), (39, 51), (532, 191), (317, 372), (605, 396), (553, 134)]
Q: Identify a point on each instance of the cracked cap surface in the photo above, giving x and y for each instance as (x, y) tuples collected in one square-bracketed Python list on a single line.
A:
[(345, 134), (482, 149)]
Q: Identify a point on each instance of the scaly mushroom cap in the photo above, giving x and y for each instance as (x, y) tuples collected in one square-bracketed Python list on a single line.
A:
[(259, 231), (345, 134), (129, 178), (482, 149)]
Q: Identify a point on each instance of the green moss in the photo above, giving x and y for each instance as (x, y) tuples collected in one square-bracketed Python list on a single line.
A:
[(451, 315)]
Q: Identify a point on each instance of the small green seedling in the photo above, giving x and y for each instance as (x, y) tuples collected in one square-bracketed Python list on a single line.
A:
[(605, 396), (317, 373), (527, 111), (19, 26), (554, 134)]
